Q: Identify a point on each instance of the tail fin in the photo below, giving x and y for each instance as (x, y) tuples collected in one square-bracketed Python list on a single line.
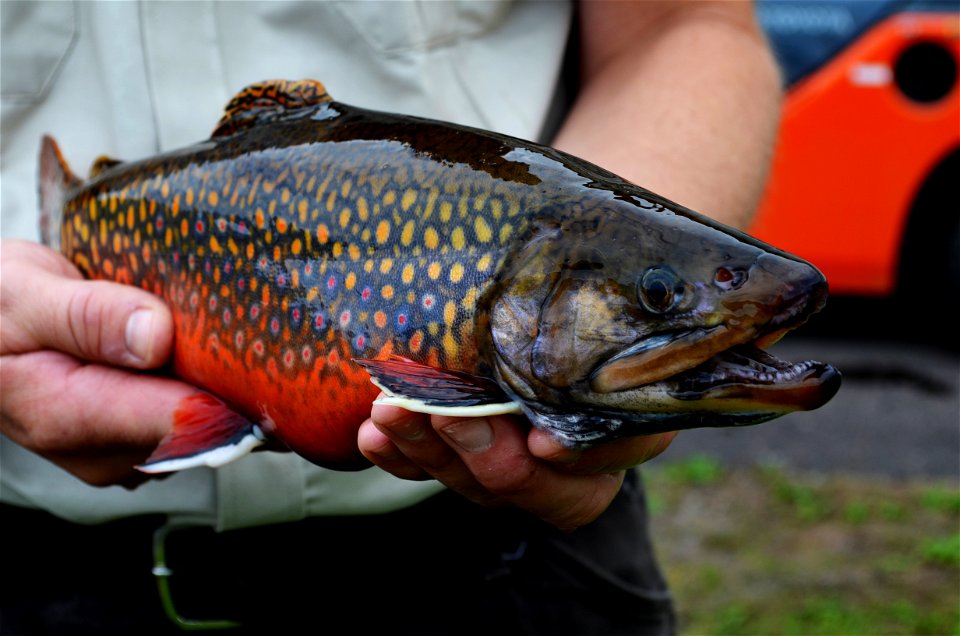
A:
[(56, 180)]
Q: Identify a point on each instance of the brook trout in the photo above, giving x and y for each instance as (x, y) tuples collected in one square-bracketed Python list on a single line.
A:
[(309, 245)]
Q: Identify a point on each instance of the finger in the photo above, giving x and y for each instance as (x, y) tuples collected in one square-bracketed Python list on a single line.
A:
[(414, 437), (494, 450), (606, 458), (380, 450), (96, 422), (45, 306)]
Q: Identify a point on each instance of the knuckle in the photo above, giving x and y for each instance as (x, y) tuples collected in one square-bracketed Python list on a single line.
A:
[(85, 319)]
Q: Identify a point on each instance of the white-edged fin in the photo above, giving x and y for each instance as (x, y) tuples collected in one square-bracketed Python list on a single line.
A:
[(419, 406), (205, 432), (212, 458)]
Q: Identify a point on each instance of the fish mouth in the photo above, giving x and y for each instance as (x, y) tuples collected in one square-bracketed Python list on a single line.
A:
[(721, 368)]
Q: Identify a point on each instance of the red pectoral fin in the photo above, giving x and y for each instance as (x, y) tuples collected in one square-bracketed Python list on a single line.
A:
[(427, 389), (205, 433)]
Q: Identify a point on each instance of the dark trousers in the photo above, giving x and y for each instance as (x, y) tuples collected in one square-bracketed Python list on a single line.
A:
[(442, 567)]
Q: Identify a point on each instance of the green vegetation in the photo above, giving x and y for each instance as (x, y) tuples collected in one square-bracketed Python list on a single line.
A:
[(766, 551)]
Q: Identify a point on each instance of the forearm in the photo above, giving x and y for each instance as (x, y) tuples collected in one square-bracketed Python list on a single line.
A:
[(681, 98)]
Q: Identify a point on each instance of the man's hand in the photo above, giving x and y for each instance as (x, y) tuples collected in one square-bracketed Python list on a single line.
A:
[(499, 461), (69, 352)]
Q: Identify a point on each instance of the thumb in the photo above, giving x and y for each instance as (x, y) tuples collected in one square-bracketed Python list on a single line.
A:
[(46, 305), (104, 322)]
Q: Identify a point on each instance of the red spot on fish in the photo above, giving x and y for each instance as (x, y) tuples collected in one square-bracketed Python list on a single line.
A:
[(258, 347), (254, 312), (360, 342), (226, 316), (296, 314), (306, 354), (199, 227), (331, 282), (241, 283), (275, 325), (318, 321), (402, 319), (365, 294), (428, 301), (238, 340), (159, 223), (222, 225), (345, 318), (288, 358)]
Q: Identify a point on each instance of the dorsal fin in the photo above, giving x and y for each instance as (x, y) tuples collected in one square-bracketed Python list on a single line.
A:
[(268, 101), (101, 163)]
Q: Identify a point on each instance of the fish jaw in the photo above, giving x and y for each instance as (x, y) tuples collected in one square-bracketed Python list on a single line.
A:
[(724, 367)]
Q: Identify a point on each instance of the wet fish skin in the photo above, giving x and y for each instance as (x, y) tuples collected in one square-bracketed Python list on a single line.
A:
[(307, 233)]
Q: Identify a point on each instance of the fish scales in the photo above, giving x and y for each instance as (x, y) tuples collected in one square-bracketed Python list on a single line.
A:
[(283, 259), (306, 234)]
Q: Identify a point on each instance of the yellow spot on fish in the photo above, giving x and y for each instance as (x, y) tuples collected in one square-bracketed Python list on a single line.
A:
[(351, 281), (249, 251), (469, 301), (331, 201), (450, 346), (303, 208), (411, 297), (117, 243), (431, 200), (380, 319), (505, 231), (409, 197), (113, 202), (457, 238), (345, 188), (168, 238), (312, 294), (446, 211), (130, 216), (277, 254), (456, 273), (362, 210), (285, 195), (368, 266), (337, 249), (484, 263), (189, 196), (449, 312), (407, 274), (93, 209), (281, 225), (295, 278), (215, 246), (383, 232), (296, 246), (389, 198), (344, 218), (406, 237), (386, 265), (482, 230), (496, 209), (430, 238), (354, 251), (433, 271), (165, 189), (323, 233), (387, 292)]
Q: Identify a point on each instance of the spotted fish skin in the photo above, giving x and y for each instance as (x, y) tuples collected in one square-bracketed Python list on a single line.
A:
[(309, 244), (289, 247)]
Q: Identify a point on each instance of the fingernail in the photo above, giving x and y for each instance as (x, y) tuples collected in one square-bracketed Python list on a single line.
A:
[(139, 334), (473, 436)]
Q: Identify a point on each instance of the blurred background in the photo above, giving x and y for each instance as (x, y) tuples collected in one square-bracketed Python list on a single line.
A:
[(845, 520)]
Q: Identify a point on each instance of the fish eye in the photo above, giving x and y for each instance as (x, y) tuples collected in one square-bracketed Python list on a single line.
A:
[(660, 290), (728, 279)]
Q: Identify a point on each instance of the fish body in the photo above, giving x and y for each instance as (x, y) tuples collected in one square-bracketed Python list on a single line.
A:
[(446, 261)]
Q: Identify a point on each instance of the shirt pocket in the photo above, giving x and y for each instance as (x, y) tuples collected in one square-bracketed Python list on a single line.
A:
[(36, 38), (421, 25)]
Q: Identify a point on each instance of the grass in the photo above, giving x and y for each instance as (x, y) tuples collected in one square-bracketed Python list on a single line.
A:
[(767, 551)]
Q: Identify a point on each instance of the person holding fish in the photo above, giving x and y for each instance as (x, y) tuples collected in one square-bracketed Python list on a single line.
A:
[(681, 98)]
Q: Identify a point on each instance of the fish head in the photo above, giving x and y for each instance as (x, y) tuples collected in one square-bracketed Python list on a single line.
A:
[(629, 318)]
